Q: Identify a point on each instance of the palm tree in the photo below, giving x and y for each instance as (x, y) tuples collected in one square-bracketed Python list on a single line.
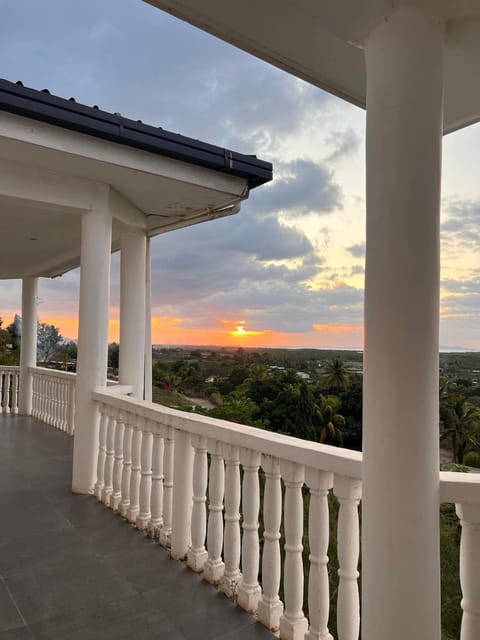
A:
[(331, 422), (336, 376), (459, 423)]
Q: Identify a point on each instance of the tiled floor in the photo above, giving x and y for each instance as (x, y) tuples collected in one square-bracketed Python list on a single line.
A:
[(71, 569)]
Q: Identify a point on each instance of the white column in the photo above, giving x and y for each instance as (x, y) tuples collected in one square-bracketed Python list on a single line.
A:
[(400, 536), (132, 310), (147, 394), (92, 341), (28, 345)]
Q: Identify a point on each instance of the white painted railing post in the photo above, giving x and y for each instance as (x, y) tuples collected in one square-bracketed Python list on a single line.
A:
[(214, 566), (144, 514), (71, 407), (348, 492), (28, 345), (197, 554), (249, 590), (469, 515), (14, 399), (319, 483), (165, 535), (182, 495), (293, 624), (129, 419), (102, 449), (135, 475), (118, 462), (109, 459), (232, 539), (156, 520), (270, 607), (6, 392)]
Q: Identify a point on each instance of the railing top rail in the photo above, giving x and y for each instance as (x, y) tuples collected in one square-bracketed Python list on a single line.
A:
[(460, 488), (54, 373), (9, 368), (327, 458)]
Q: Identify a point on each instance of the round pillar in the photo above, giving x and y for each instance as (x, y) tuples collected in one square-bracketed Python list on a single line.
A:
[(28, 345), (92, 342), (400, 512), (132, 310)]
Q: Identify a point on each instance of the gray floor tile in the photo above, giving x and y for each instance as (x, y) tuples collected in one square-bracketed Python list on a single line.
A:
[(76, 571)]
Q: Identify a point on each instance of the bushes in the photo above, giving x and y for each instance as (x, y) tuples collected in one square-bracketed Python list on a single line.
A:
[(472, 459)]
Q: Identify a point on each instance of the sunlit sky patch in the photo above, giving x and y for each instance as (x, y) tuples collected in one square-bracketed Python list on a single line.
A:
[(289, 269)]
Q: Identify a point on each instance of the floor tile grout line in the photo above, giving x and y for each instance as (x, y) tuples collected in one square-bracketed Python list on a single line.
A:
[(10, 595)]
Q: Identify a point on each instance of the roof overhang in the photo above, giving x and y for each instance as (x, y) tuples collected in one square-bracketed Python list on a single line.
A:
[(321, 42), (52, 173)]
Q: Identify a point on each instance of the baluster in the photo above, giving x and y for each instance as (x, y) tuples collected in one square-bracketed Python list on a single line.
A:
[(48, 401), (469, 515), (135, 476), (348, 491), (116, 495), (182, 495), (34, 395), (144, 515), (165, 535), (214, 567), (319, 483), (249, 591), (102, 451), (109, 459), (197, 554), (2, 387), (6, 393), (293, 624), (127, 464), (15, 392), (56, 403), (270, 607), (39, 397), (156, 500), (231, 542), (71, 407), (63, 403)]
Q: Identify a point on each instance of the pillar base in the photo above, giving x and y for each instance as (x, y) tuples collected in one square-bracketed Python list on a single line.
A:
[(196, 559), (293, 629), (248, 597), (213, 571), (229, 584), (269, 614)]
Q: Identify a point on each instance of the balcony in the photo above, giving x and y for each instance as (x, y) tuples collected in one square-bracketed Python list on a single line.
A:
[(197, 487)]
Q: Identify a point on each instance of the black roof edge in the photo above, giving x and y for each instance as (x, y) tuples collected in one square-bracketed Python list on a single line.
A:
[(69, 114)]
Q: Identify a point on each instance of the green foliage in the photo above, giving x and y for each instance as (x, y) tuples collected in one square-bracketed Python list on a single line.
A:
[(472, 459), (336, 376), (240, 410), (459, 424), (48, 341)]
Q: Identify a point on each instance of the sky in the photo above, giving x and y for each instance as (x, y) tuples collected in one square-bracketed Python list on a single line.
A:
[(288, 270)]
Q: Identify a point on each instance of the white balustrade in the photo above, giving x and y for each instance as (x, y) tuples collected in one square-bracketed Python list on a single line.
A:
[(270, 607), (136, 471), (144, 514), (197, 554), (249, 590), (231, 537), (165, 536), (319, 483), (159, 490), (293, 624), (107, 489), (127, 462), (9, 385), (214, 566), (116, 495), (53, 397), (156, 519), (348, 491)]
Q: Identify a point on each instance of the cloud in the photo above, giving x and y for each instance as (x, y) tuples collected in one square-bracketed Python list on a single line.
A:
[(302, 187), (357, 250), (343, 143)]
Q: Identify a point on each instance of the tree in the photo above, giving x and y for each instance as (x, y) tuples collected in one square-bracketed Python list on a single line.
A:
[(336, 376), (331, 422), (48, 341), (459, 423), (15, 331)]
